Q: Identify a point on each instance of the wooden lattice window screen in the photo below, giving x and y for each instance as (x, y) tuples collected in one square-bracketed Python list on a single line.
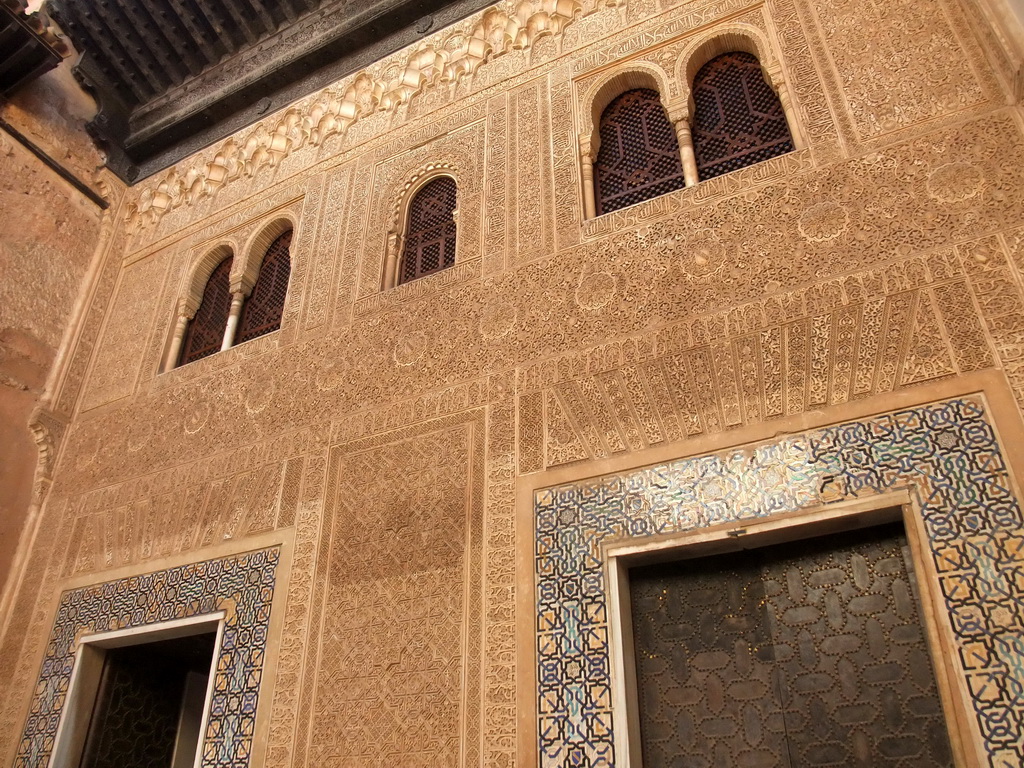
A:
[(738, 120), (205, 332), (261, 312), (430, 234), (639, 154)]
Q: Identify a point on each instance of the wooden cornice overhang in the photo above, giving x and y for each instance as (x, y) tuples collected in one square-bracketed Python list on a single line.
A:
[(173, 76)]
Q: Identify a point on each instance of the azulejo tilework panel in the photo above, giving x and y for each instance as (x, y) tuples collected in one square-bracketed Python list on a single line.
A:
[(945, 453), (241, 585)]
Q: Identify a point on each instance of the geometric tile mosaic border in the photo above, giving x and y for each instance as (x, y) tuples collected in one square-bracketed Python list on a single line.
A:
[(946, 454), (241, 585)]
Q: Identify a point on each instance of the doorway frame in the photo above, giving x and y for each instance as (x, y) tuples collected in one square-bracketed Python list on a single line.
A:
[(1003, 416), (620, 556), (83, 687)]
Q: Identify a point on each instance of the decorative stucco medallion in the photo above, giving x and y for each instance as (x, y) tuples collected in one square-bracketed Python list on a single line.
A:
[(595, 290), (824, 221), (410, 348), (955, 182)]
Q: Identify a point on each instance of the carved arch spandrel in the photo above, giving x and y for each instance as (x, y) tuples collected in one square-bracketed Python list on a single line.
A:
[(604, 90)]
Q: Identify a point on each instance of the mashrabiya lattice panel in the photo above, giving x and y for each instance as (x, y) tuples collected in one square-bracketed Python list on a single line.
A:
[(947, 453), (639, 154), (206, 329), (261, 312), (243, 585), (430, 236), (738, 120)]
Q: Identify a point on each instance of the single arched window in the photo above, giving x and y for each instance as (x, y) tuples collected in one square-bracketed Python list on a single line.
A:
[(261, 312), (639, 153), (430, 233), (738, 118), (205, 332)]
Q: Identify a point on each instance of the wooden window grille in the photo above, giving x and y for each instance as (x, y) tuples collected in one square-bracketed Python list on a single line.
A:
[(205, 332), (430, 235), (738, 119), (261, 312), (639, 154)]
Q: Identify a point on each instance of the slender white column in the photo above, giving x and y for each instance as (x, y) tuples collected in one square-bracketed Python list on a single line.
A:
[(589, 200), (236, 309), (179, 335), (689, 159), (391, 262)]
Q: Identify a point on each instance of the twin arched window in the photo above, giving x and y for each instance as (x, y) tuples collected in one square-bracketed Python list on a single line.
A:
[(738, 120), (224, 318)]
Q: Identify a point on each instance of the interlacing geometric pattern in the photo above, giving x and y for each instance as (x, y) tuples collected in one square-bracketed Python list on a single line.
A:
[(738, 120), (205, 332), (430, 233), (946, 454), (241, 585), (639, 154), (261, 312)]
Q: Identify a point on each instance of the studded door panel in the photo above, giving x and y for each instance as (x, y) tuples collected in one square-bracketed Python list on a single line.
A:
[(807, 654)]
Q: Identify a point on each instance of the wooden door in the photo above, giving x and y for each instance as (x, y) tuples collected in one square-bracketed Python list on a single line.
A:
[(810, 653)]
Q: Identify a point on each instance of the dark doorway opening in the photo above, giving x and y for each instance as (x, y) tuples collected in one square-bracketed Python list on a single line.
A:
[(149, 704), (808, 653)]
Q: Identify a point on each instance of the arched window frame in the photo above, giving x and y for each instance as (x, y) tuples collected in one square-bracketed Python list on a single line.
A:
[(192, 296), (400, 218), (245, 270), (742, 38), (256, 251), (601, 94)]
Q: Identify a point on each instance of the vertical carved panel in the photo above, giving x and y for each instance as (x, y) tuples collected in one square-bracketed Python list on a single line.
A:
[(531, 157), (327, 256), (123, 343), (402, 602), (497, 170), (568, 205)]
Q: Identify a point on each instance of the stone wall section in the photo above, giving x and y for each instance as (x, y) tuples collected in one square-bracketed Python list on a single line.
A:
[(887, 254), (48, 236)]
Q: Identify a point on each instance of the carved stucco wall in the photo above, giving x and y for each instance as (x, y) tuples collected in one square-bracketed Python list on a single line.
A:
[(887, 254)]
